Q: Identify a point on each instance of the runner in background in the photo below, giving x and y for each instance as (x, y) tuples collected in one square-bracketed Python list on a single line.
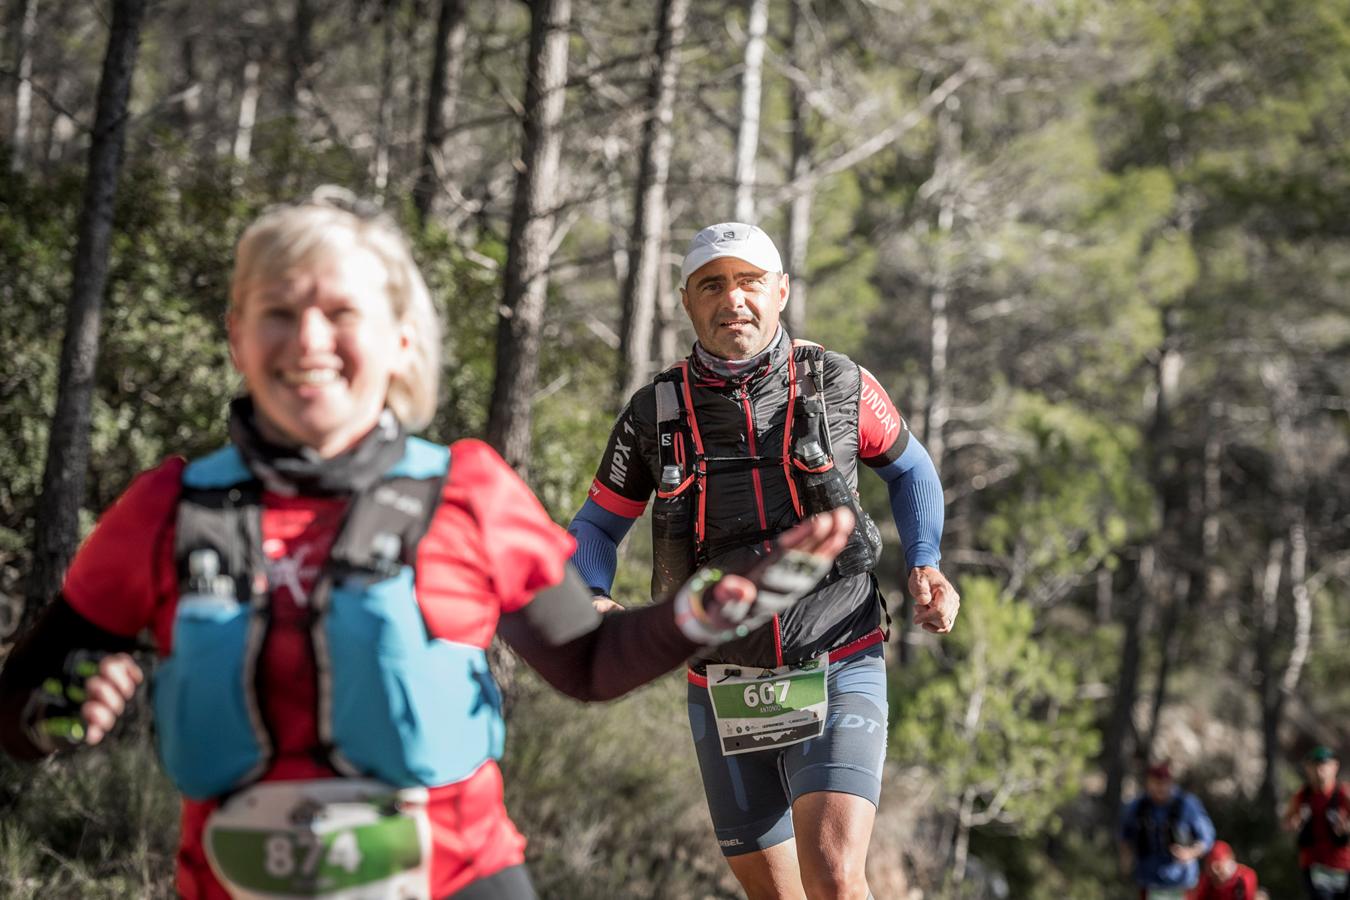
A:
[(1224, 878), (1163, 834), (741, 440), (1319, 813)]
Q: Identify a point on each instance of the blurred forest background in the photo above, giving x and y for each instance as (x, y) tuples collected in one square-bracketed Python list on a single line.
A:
[(1097, 250)]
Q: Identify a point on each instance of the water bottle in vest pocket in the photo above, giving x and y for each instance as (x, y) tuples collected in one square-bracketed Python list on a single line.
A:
[(823, 488), (406, 708), (209, 742), (672, 533)]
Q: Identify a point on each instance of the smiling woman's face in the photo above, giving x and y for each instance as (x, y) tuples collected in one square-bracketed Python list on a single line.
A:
[(317, 349), (734, 306)]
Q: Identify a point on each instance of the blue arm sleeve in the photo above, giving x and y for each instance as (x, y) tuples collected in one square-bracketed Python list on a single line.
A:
[(598, 533), (916, 503)]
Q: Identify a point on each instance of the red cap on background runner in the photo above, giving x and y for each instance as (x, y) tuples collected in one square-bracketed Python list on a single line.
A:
[(1160, 770), (1220, 850)]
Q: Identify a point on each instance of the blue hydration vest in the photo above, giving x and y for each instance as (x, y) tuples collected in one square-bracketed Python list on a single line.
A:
[(394, 703)]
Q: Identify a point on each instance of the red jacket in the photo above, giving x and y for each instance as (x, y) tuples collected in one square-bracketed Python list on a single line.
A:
[(1242, 886), (1324, 850)]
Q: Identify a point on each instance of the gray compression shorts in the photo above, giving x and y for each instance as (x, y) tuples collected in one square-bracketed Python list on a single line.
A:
[(750, 795)]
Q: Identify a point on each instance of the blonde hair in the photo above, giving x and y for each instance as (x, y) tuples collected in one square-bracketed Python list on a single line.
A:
[(323, 227)]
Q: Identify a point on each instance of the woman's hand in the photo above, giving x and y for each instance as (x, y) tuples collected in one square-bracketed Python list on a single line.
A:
[(107, 693), (715, 606)]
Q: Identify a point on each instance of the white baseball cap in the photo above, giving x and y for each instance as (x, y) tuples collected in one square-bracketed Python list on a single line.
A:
[(736, 239)]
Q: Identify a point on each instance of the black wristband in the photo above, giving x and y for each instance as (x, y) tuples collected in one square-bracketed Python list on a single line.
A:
[(39, 655)]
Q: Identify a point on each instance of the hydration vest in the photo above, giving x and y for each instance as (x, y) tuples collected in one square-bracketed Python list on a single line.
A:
[(1317, 828), (680, 445), (394, 703), (1151, 838)]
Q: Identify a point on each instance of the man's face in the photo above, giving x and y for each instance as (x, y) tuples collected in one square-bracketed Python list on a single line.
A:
[(734, 306), (1323, 773), (1220, 870), (1159, 789)]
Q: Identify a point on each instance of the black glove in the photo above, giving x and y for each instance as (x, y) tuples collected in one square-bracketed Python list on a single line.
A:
[(52, 717)]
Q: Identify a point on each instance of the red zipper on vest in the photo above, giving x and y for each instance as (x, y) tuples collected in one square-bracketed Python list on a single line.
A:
[(759, 503), (754, 452), (787, 438)]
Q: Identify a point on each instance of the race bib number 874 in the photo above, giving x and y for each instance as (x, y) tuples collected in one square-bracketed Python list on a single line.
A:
[(331, 839)]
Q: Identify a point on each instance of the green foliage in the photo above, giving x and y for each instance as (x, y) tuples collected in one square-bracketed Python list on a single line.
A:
[(1076, 865), (465, 296), (996, 718), (610, 796), (37, 228), (99, 824), (842, 296), (1077, 496)]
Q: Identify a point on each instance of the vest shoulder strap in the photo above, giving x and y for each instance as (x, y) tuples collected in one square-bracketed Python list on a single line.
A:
[(219, 509), (223, 468), (386, 523), (671, 418)]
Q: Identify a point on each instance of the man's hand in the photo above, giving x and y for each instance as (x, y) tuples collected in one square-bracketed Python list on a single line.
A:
[(1293, 819), (604, 604), (1186, 853), (936, 602)]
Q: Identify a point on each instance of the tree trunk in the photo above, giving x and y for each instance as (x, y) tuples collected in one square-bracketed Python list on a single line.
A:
[(1105, 596), (25, 17), (669, 312), (1284, 626), (799, 213), (248, 113), (1267, 591), (186, 109), (526, 277), (410, 113), (1298, 585), (747, 136), (1169, 642), (1156, 579), (937, 408), (447, 66), (63, 477), (299, 54), (1212, 504), (649, 204), (384, 112), (1116, 756), (961, 846), (612, 157)]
